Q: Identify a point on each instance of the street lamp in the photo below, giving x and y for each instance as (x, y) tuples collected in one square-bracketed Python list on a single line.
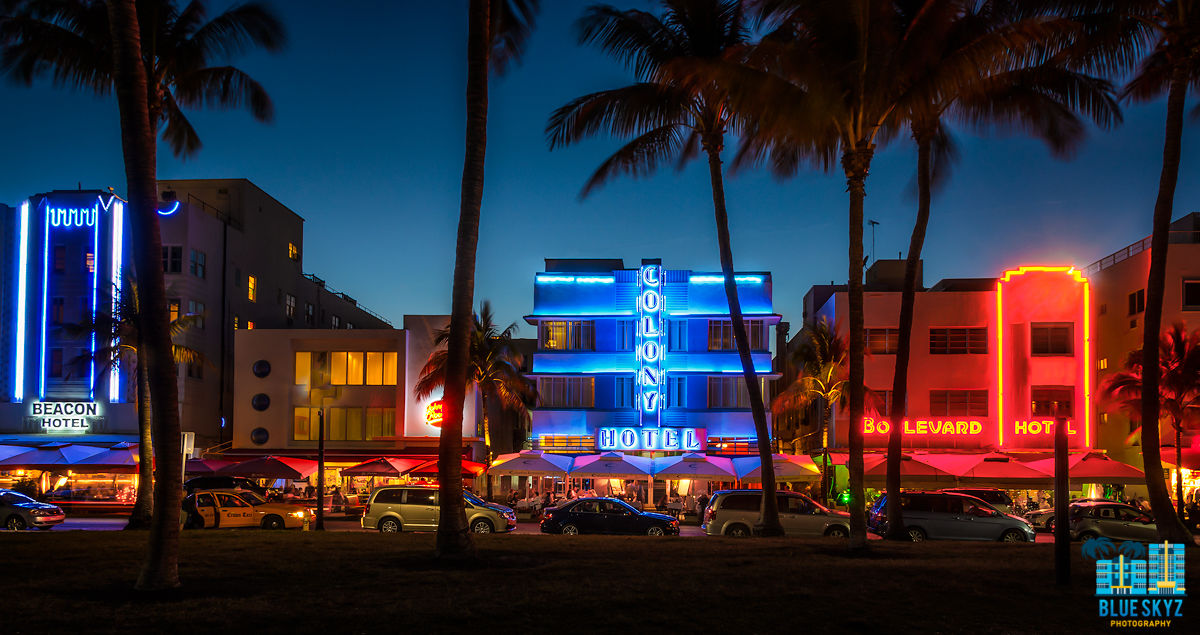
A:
[(325, 394)]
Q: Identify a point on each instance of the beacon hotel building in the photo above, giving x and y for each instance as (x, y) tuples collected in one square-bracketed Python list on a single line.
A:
[(643, 359)]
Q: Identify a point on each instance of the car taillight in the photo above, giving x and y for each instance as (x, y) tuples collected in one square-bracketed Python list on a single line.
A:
[(708, 514), (367, 510)]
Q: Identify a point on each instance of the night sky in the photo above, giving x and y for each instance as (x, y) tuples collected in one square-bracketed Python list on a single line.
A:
[(367, 146)]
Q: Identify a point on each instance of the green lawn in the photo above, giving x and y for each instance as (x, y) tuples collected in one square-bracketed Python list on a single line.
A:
[(247, 581)]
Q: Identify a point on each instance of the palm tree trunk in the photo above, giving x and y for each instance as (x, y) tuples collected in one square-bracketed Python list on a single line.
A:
[(908, 300), (1170, 527), (856, 163), (142, 512), (769, 513), (161, 568), (487, 442), (1178, 468), (453, 538), (826, 416)]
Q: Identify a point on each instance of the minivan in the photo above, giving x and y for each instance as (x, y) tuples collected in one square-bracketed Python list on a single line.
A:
[(394, 508), (734, 512), (997, 498), (950, 516)]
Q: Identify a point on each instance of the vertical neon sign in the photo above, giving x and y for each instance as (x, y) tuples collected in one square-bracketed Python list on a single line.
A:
[(118, 221), (649, 351), (19, 362)]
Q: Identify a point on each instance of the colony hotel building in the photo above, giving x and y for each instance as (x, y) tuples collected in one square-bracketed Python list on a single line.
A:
[(643, 359), (993, 362)]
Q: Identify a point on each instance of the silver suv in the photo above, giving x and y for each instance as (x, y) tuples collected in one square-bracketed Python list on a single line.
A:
[(1111, 520), (734, 512), (396, 508)]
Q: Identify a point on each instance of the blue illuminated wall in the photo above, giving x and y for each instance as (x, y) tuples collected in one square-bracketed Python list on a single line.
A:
[(610, 302)]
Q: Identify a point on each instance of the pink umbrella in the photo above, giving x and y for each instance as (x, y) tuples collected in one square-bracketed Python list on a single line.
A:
[(694, 465), (383, 466), (788, 467), (913, 470), (1088, 467), (272, 467), (205, 466), (989, 467)]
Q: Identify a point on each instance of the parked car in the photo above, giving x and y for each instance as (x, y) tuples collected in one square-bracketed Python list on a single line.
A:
[(18, 511), (223, 482), (734, 512), (394, 508), (997, 498), (951, 516), (212, 508), (605, 516), (1043, 519), (1112, 520)]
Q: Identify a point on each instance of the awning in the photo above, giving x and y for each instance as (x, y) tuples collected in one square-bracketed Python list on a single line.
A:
[(272, 467), (788, 467), (530, 463), (695, 465), (383, 466), (611, 464)]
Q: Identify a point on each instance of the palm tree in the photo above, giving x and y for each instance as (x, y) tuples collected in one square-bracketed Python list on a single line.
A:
[(982, 70), (1178, 391), (672, 117), (821, 382), (122, 328), (494, 369), (497, 31), (1153, 43), (1098, 547)]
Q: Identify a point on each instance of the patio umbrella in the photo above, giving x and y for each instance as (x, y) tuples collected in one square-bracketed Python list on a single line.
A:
[(205, 466), (470, 469), (788, 467), (1088, 467), (53, 456), (695, 465), (530, 463), (11, 450), (383, 466), (272, 467), (611, 464), (992, 468), (913, 471), (121, 458)]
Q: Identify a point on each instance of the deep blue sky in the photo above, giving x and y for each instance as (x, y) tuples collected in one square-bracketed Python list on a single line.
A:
[(367, 146)]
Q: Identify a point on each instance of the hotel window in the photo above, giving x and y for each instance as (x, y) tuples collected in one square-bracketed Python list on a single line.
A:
[(349, 325), (357, 368), (89, 262), (958, 403), (1191, 295), (625, 335), (1051, 401), (293, 251), (881, 401), (57, 309), (380, 422), (303, 368), (60, 258), (883, 341), (196, 309), (1051, 338), (567, 392), (1137, 301), (305, 425), (173, 308), (567, 336), (308, 314), (962, 341), (56, 362), (624, 392), (728, 392), (720, 335), (289, 306), (252, 288), (677, 335), (1102, 363), (345, 424), (676, 392), (198, 265), (334, 322), (172, 258), (249, 325)]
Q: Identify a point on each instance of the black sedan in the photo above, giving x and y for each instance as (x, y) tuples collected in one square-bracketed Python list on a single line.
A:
[(605, 516)]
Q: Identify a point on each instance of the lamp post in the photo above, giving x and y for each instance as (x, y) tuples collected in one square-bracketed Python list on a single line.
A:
[(1062, 521), (320, 524)]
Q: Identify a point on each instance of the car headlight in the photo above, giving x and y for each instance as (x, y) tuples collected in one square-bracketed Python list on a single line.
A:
[(299, 514)]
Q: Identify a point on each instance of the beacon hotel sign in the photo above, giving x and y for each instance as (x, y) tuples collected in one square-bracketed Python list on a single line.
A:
[(651, 381), (64, 417)]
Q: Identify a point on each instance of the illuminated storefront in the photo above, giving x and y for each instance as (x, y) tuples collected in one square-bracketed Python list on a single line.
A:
[(643, 360)]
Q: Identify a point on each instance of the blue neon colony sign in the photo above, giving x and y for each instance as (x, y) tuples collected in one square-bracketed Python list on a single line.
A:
[(651, 379)]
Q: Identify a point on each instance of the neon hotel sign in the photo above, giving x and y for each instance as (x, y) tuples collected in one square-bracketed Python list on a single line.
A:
[(972, 428)]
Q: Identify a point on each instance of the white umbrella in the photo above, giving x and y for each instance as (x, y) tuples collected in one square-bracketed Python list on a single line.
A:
[(611, 464), (788, 467), (529, 463), (694, 466)]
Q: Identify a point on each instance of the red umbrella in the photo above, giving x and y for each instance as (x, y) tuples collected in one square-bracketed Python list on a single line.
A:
[(1086, 467), (205, 466), (470, 469), (384, 466), (272, 467)]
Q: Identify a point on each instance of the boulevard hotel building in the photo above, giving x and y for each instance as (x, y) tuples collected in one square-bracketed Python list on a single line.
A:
[(993, 360), (643, 360)]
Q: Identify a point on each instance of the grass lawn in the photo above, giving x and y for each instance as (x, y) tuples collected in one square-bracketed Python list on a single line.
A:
[(246, 581)]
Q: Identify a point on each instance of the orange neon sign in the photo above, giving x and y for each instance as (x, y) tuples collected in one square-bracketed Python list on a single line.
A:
[(433, 414)]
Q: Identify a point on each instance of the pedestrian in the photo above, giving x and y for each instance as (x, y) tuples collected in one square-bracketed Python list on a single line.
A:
[(701, 503)]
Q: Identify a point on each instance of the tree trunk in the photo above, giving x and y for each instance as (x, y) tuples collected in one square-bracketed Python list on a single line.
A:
[(142, 512), (1179, 468), (769, 524), (453, 537), (161, 569), (1170, 527), (856, 163), (487, 443), (826, 416), (319, 524), (908, 299)]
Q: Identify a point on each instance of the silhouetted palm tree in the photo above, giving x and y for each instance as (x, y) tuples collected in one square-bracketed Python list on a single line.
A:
[(982, 68), (497, 31), (1098, 547), (1156, 45), (1178, 391), (672, 117)]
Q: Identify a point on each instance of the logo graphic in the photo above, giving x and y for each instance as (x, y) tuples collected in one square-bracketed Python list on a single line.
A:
[(1136, 590)]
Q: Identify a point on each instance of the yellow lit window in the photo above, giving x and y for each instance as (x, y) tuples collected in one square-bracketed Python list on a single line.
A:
[(293, 251), (1103, 363), (374, 369), (389, 369), (354, 369), (303, 367), (249, 325), (337, 362), (173, 309), (252, 289)]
